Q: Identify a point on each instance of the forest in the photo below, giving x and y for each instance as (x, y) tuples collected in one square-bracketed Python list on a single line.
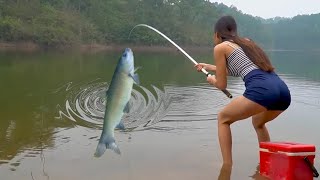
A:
[(53, 23)]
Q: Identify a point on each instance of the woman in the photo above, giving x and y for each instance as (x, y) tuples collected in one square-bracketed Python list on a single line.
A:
[(266, 95)]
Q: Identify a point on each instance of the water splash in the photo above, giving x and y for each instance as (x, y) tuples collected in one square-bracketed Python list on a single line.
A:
[(85, 105)]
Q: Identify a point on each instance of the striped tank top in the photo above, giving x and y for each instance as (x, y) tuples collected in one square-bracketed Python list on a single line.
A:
[(238, 63)]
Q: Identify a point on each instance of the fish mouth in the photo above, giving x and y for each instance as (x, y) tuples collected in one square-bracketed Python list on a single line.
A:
[(127, 53), (127, 50)]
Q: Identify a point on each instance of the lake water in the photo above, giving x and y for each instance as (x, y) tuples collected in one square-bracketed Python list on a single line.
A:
[(52, 104)]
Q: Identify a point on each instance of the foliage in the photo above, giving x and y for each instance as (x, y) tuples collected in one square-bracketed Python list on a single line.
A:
[(188, 22), (300, 32)]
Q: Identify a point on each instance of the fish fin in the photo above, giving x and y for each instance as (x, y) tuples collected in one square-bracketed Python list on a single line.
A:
[(127, 108), (135, 78), (107, 142), (120, 126), (136, 69)]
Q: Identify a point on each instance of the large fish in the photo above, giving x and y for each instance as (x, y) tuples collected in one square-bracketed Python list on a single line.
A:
[(118, 96)]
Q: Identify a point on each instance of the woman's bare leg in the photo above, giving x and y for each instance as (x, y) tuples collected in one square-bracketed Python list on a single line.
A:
[(259, 121), (238, 109)]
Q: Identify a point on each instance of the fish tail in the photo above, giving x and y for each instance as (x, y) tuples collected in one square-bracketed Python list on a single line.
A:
[(106, 142)]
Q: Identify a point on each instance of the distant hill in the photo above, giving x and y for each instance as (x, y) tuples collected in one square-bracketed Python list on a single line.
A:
[(301, 32), (54, 23)]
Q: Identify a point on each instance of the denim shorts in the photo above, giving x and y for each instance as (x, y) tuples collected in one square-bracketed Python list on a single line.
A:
[(267, 89)]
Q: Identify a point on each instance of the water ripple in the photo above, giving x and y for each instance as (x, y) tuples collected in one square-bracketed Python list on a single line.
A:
[(85, 104)]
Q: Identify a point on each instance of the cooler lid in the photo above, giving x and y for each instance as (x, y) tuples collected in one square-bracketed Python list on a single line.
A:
[(287, 147)]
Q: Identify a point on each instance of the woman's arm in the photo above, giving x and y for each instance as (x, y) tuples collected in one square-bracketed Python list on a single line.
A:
[(220, 79), (208, 67)]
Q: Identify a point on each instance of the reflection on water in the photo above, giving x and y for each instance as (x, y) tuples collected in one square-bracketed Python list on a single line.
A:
[(53, 106), (257, 175), (225, 172)]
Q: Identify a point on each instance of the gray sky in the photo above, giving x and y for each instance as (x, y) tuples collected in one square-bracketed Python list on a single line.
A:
[(273, 8)]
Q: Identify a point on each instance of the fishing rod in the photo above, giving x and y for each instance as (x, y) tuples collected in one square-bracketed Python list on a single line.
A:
[(226, 92)]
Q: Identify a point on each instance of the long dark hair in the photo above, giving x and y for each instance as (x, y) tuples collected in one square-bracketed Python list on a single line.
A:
[(226, 28)]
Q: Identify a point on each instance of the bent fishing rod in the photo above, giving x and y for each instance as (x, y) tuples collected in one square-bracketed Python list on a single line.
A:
[(226, 92)]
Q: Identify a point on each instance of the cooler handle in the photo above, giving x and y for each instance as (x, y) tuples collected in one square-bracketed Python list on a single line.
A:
[(311, 166)]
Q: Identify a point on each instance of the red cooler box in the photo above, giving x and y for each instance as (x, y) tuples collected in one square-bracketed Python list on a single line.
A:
[(287, 161)]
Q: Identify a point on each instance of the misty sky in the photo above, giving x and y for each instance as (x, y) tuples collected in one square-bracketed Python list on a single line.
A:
[(273, 8)]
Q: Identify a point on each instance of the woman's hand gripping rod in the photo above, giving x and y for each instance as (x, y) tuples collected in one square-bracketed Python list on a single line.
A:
[(226, 92)]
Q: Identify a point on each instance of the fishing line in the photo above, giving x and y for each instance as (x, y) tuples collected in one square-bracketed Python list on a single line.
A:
[(226, 92)]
